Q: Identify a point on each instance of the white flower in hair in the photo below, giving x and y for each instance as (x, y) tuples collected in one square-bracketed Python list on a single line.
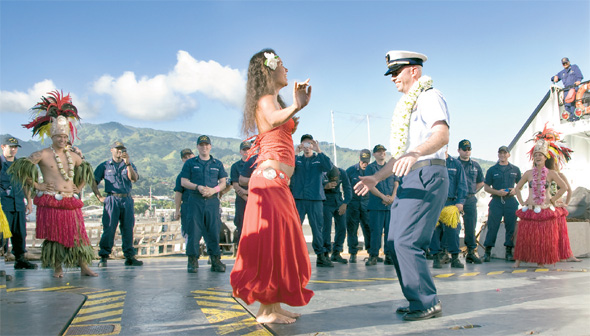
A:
[(271, 61)]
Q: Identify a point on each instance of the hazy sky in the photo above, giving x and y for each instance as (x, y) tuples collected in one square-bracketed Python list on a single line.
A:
[(181, 65)]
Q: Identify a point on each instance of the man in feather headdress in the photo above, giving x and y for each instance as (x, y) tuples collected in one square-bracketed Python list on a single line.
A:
[(59, 214)]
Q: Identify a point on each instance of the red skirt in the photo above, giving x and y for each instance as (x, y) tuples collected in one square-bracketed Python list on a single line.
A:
[(537, 236), (272, 264), (61, 221), (565, 250)]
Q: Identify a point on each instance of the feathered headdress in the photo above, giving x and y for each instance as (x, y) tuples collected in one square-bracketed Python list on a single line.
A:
[(548, 143), (55, 114)]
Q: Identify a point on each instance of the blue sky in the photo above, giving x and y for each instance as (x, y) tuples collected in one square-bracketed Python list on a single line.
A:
[(180, 65)]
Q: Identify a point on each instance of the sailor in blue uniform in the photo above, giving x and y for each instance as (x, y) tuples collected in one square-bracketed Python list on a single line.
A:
[(308, 192), (379, 206), (13, 205), (204, 177), (356, 211), (181, 197), (118, 174), (474, 176), (241, 192), (500, 181), (338, 194), (571, 77), (443, 234)]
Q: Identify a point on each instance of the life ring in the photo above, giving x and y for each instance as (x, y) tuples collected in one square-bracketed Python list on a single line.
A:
[(581, 109)]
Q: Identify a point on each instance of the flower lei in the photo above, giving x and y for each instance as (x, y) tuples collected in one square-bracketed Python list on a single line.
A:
[(60, 166), (539, 185), (271, 61), (400, 122)]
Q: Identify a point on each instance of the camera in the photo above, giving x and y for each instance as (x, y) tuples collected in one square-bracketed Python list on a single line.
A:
[(123, 150), (306, 145), (507, 190)]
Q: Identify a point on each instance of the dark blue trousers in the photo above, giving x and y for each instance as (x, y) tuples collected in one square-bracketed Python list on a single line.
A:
[(118, 211), (356, 213), (501, 207), (470, 221), (330, 212), (314, 211), (203, 221), (379, 224), (414, 213), (445, 237), (17, 223), (239, 218)]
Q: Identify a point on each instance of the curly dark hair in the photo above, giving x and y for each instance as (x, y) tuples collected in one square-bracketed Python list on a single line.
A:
[(259, 83)]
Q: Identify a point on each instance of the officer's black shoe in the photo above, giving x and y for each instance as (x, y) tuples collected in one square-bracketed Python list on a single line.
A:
[(472, 257), (372, 261), (455, 262), (133, 262), (338, 258), (388, 260), (352, 259), (419, 315), (402, 310), (216, 264), (509, 256), (429, 256), (323, 261), (379, 259), (22, 263), (193, 264), (488, 255), (103, 262), (437, 260)]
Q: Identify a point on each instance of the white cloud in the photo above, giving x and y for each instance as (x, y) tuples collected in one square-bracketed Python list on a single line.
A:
[(167, 95), (22, 102)]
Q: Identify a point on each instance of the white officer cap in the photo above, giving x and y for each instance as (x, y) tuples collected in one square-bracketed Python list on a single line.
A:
[(398, 58)]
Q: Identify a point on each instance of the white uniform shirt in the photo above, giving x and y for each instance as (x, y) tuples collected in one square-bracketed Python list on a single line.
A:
[(430, 108)]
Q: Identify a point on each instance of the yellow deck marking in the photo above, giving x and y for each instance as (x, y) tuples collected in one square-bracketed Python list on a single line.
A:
[(101, 295), (49, 289), (97, 316), (384, 279), (96, 291), (111, 299), (205, 292), (218, 298), (220, 315), (261, 332), (2, 286), (118, 319), (519, 271), (100, 308), (218, 305), (542, 270), (495, 272), (356, 280), (323, 281), (444, 275), (469, 274)]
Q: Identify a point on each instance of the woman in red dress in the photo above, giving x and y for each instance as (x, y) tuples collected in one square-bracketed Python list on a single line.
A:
[(272, 264), (537, 233)]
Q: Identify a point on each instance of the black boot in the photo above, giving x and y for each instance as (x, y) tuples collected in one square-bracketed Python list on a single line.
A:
[(193, 264), (372, 261), (323, 261), (338, 258), (216, 264), (437, 260), (388, 259), (488, 255), (22, 263), (131, 261), (472, 257), (455, 262), (352, 259), (509, 256), (103, 261)]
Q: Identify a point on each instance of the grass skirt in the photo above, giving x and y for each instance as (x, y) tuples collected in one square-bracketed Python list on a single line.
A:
[(4, 227), (272, 264), (537, 236), (61, 224), (565, 250)]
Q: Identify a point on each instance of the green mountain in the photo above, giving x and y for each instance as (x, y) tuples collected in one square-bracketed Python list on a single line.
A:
[(156, 154)]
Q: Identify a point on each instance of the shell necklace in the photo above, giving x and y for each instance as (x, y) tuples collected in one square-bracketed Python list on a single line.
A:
[(70, 174)]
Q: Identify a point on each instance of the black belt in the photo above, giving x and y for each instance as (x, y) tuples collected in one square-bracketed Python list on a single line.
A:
[(507, 196), (118, 195), (431, 162), (451, 198)]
